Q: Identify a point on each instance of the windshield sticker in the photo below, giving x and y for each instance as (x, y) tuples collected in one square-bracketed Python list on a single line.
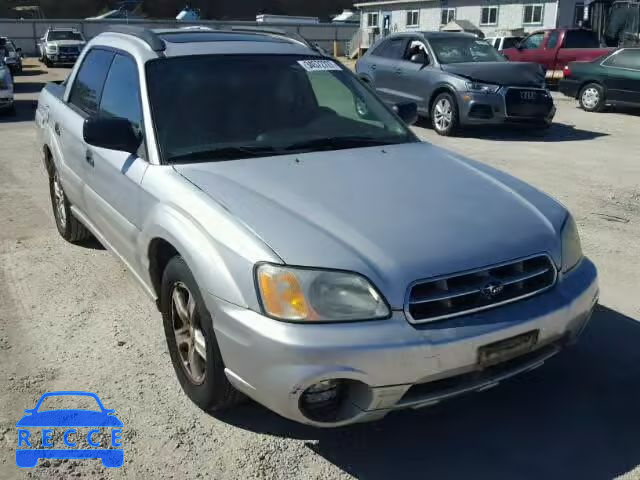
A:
[(319, 65)]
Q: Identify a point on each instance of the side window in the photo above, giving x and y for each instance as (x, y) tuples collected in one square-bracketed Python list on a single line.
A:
[(510, 42), (415, 47), (625, 59), (87, 87), (496, 43), (532, 41), (580, 39), (391, 48), (552, 42), (121, 94)]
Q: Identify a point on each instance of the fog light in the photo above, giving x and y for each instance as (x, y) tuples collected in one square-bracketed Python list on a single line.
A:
[(322, 400), (324, 391)]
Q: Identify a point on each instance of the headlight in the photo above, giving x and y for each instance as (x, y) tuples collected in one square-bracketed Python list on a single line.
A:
[(571, 248), (479, 87), (52, 48), (308, 295)]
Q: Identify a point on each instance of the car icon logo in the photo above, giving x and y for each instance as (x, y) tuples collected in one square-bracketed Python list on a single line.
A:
[(492, 289), (74, 421)]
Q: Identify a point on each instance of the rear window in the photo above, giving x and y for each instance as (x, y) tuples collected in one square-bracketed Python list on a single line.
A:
[(580, 39)]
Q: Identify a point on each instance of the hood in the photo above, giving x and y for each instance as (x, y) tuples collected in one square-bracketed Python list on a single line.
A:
[(515, 74), (395, 214)]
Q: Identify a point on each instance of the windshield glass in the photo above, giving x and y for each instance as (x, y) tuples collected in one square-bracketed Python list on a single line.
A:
[(64, 35), (222, 107), (464, 50)]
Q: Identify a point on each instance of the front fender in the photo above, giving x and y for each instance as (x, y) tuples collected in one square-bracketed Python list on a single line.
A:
[(224, 270)]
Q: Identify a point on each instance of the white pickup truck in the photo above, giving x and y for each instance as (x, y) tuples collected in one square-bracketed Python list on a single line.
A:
[(61, 45)]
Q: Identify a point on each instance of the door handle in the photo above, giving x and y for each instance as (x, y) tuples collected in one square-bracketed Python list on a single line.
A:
[(398, 71), (89, 157), (56, 128), (373, 67)]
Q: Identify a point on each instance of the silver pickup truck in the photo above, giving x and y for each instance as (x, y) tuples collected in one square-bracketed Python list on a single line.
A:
[(305, 249)]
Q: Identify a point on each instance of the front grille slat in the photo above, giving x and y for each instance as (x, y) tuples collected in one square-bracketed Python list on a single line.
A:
[(469, 292)]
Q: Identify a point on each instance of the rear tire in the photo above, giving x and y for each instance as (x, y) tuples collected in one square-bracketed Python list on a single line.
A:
[(444, 115), (592, 98), (69, 227), (188, 328)]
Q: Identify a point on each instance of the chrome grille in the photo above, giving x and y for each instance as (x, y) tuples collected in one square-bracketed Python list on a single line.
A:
[(473, 291)]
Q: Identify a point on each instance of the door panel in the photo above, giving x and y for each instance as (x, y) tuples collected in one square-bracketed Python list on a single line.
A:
[(623, 76), (415, 81), (113, 186), (112, 199), (387, 63)]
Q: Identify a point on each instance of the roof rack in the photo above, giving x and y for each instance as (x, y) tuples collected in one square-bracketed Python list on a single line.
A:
[(144, 34), (157, 44), (277, 31)]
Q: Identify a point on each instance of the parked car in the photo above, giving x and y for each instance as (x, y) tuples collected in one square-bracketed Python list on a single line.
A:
[(609, 80), (6, 89), (304, 247), (555, 48), (61, 46), (501, 43), (457, 80), (11, 55)]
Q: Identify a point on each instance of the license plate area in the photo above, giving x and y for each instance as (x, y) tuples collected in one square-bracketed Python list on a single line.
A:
[(506, 349)]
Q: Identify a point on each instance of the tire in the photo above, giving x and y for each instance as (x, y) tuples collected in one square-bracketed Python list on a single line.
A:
[(202, 379), (48, 62), (592, 98), (444, 115), (68, 226)]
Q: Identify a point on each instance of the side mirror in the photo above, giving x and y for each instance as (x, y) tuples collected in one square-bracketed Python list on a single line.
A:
[(419, 58), (519, 46), (19, 51), (407, 111), (111, 133), (29, 410)]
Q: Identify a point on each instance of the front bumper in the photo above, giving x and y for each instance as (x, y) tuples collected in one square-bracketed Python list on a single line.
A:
[(491, 109), (62, 57), (275, 362)]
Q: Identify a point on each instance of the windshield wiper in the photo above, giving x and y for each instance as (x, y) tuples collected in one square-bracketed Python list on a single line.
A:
[(336, 143), (225, 153)]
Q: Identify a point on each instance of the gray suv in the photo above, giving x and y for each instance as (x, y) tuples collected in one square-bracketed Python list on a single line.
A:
[(305, 249), (457, 79)]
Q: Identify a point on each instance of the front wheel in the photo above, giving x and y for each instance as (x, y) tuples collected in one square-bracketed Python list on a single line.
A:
[(592, 98), (191, 340), (444, 115)]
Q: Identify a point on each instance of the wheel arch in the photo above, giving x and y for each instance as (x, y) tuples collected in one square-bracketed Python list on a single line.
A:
[(584, 83), (219, 269), (443, 88)]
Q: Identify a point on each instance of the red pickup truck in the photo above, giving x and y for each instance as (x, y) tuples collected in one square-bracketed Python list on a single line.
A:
[(555, 48)]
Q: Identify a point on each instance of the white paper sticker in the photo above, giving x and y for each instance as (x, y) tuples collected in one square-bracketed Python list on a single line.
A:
[(319, 65)]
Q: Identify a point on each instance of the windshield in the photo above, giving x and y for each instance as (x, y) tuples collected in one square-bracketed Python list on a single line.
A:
[(64, 35), (464, 50), (222, 107)]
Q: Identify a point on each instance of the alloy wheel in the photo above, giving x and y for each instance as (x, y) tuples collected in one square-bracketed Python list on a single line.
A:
[(443, 114), (59, 201), (190, 341)]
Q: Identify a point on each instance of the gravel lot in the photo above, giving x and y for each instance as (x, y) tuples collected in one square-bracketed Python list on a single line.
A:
[(72, 318)]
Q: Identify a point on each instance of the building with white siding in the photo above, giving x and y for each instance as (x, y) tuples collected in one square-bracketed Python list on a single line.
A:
[(492, 17)]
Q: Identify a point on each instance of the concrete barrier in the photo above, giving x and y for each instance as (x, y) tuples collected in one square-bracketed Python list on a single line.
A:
[(26, 33)]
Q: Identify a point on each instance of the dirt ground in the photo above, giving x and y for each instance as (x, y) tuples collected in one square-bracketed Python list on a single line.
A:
[(72, 318)]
